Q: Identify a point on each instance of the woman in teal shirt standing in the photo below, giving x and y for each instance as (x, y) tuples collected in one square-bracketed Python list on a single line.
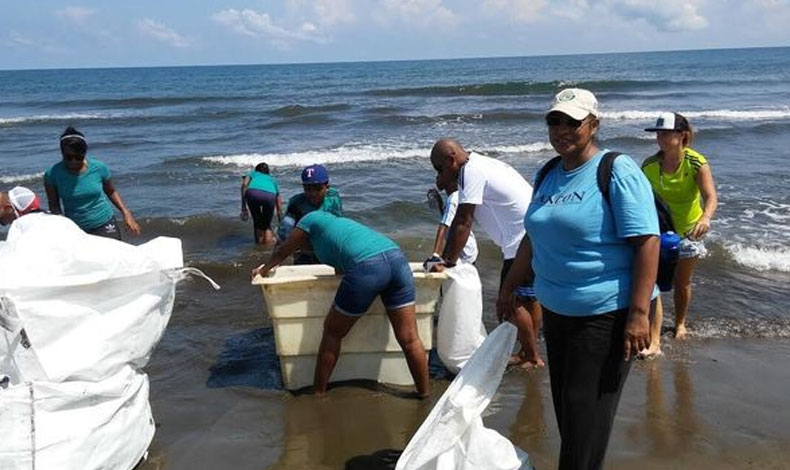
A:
[(260, 195), (85, 188), (372, 266)]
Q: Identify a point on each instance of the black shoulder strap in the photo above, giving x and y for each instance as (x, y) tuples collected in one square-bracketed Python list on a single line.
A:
[(605, 178), (605, 173), (541, 175)]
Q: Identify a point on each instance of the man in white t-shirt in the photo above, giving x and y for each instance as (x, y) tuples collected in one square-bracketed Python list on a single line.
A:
[(448, 209), (497, 196)]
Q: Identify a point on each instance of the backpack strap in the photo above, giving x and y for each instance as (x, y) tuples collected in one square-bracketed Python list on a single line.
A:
[(541, 175), (605, 178), (604, 174)]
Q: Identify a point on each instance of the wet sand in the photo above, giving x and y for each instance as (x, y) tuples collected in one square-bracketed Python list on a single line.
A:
[(710, 404)]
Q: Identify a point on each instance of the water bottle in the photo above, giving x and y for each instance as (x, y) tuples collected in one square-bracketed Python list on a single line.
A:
[(668, 260)]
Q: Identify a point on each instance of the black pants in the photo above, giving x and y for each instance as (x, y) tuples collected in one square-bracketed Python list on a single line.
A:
[(261, 205), (587, 374), (108, 229)]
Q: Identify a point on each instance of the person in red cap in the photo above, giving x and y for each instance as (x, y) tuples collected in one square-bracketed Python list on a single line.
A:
[(17, 202)]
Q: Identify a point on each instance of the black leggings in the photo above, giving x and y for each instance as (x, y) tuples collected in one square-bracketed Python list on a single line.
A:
[(261, 205), (587, 374)]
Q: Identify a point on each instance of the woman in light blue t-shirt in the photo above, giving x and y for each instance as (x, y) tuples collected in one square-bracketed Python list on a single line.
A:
[(85, 188), (372, 266), (594, 264)]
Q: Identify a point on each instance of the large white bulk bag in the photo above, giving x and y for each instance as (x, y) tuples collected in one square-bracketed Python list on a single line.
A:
[(460, 330), (80, 307), (104, 425), (79, 316), (453, 436)]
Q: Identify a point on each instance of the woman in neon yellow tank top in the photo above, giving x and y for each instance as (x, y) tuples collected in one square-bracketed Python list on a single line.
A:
[(682, 177)]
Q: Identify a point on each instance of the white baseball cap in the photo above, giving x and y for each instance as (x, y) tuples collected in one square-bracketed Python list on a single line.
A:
[(577, 103), (23, 200), (669, 122)]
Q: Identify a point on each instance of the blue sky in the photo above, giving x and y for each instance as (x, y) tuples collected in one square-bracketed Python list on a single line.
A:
[(45, 34)]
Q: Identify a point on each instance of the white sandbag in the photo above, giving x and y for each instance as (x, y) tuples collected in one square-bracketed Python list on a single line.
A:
[(453, 436), (460, 331), (88, 305), (105, 425), (79, 316)]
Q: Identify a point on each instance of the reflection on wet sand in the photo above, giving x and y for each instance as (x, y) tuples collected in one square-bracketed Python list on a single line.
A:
[(530, 430), (325, 433), (671, 424)]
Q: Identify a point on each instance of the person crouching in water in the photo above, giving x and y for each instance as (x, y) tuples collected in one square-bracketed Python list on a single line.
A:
[(372, 266), (260, 196), (318, 195)]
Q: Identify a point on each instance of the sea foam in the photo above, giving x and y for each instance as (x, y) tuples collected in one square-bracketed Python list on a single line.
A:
[(761, 259), (7, 121), (10, 179), (724, 114), (353, 154), (343, 154)]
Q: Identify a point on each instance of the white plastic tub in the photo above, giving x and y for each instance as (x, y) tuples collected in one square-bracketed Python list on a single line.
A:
[(298, 298)]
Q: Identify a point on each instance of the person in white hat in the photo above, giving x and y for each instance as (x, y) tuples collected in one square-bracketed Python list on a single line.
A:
[(683, 179), (593, 259), (17, 202)]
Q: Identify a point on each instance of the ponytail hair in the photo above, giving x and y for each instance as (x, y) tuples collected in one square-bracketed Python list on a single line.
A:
[(73, 142), (684, 126)]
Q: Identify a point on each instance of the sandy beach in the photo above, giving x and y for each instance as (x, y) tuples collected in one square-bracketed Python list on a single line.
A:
[(706, 403)]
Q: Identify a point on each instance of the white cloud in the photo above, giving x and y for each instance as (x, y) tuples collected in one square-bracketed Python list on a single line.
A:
[(772, 3), (667, 15), (16, 38), (516, 10), (327, 13), (157, 30), (251, 23), (78, 15), (422, 13), (334, 12)]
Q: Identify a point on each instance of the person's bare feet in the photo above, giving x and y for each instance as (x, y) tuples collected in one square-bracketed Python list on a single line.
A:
[(650, 353), (525, 360), (681, 332)]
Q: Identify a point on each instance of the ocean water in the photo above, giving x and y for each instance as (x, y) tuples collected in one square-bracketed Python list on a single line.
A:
[(179, 139)]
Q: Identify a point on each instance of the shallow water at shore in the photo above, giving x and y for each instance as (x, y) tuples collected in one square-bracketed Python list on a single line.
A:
[(714, 401)]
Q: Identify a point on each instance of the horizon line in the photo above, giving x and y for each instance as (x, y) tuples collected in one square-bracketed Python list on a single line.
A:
[(339, 62)]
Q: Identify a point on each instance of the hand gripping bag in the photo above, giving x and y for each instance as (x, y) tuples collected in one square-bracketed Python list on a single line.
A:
[(453, 436)]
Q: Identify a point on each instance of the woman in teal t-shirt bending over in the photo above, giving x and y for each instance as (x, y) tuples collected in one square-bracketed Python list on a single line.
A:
[(86, 190), (372, 265), (260, 196)]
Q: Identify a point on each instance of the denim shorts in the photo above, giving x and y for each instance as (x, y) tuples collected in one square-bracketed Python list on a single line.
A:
[(387, 274), (526, 292)]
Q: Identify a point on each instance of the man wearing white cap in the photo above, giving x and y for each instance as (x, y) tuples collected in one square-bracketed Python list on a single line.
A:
[(17, 202)]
